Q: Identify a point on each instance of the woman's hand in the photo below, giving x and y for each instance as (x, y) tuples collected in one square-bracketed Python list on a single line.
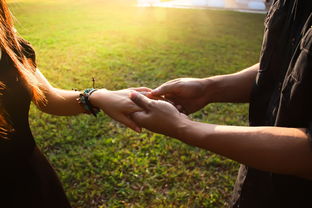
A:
[(117, 105), (158, 116), (187, 94)]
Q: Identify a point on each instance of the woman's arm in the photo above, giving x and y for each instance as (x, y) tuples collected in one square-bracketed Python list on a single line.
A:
[(275, 149), (116, 104), (58, 102)]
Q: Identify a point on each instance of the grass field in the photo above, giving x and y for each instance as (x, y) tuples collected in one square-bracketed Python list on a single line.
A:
[(101, 163)]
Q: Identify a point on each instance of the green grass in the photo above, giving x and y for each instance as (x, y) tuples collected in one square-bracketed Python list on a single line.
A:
[(101, 163)]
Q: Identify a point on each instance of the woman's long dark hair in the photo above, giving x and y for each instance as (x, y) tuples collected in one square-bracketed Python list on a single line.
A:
[(10, 45)]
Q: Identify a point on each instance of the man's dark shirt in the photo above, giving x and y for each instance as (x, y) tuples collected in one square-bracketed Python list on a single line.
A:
[(282, 96)]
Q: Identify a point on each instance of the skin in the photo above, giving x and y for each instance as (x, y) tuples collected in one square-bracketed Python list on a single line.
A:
[(116, 104), (275, 149)]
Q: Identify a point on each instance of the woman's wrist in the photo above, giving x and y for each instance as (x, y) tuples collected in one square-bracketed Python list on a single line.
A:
[(84, 101), (97, 97)]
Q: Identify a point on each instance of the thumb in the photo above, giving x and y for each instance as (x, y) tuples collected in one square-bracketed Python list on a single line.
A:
[(140, 100)]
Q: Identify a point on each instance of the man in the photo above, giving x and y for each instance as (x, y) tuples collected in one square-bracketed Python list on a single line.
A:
[(276, 148)]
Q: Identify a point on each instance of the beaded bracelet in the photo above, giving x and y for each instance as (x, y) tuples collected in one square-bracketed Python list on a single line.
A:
[(83, 100)]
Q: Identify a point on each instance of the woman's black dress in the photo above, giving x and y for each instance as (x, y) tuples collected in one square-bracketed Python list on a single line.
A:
[(27, 180)]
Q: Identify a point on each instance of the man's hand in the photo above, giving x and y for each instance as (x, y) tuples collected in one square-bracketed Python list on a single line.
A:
[(117, 105), (158, 116), (187, 94)]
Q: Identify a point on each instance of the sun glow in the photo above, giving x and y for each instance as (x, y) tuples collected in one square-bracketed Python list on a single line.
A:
[(257, 5), (146, 3)]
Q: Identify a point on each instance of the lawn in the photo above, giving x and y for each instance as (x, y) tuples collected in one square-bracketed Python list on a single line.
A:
[(100, 162)]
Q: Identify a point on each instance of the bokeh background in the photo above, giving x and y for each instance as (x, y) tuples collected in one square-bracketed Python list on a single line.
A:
[(100, 162)]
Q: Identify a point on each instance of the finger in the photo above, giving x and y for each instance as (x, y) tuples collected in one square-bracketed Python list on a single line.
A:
[(138, 117), (150, 96), (141, 89), (132, 107), (167, 87), (140, 100), (129, 123), (162, 90), (147, 94)]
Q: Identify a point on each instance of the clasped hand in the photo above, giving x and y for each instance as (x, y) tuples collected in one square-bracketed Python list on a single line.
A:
[(165, 107), (162, 110)]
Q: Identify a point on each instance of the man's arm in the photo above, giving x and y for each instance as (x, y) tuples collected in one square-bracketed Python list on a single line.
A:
[(192, 94), (274, 149), (232, 87)]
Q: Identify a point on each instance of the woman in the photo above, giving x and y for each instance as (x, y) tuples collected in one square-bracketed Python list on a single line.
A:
[(26, 177)]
